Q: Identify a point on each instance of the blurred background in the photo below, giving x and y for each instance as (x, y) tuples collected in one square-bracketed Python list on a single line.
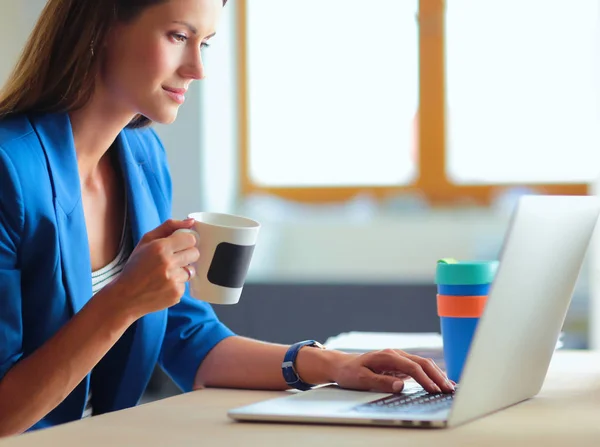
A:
[(371, 139)]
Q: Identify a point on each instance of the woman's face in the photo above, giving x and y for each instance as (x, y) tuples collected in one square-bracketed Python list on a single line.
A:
[(151, 61)]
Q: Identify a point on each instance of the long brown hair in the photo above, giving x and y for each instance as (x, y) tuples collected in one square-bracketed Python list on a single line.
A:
[(59, 64)]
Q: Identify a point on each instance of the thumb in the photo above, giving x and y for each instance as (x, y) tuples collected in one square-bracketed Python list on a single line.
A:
[(167, 229), (384, 384)]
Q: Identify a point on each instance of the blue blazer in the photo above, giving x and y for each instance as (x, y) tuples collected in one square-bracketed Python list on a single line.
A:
[(45, 271)]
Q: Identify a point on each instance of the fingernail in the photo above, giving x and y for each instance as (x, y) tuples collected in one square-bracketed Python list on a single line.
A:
[(397, 386), (450, 385), (189, 220), (436, 389)]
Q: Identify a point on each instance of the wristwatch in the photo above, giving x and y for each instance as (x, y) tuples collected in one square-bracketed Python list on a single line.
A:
[(288, 367)]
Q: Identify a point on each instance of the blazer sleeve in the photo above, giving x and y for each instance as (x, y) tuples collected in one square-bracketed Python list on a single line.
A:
[(11, 225), (193, 328)]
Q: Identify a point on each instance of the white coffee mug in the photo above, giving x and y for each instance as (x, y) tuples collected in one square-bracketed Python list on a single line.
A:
[(226, 244)]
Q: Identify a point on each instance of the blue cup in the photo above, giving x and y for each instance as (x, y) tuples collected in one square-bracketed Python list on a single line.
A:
[(463, 288)]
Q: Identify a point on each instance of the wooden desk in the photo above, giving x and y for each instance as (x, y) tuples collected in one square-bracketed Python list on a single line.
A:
[(565, 413)]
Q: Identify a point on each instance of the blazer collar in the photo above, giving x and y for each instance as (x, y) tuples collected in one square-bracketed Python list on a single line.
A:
[(56, 135), (143, 215)]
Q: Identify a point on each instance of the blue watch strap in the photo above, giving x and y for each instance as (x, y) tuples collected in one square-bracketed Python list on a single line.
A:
[(288, 367)]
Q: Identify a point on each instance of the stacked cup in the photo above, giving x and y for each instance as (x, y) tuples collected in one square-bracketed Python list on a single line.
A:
[(463, 289)]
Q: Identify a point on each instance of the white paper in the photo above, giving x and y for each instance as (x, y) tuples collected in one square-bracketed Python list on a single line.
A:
[(370, 341)]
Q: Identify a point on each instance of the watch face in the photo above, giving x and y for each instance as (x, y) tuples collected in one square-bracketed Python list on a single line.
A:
[(229, 265)]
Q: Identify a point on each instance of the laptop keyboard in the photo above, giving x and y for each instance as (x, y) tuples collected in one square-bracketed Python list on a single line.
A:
[(416, 402)]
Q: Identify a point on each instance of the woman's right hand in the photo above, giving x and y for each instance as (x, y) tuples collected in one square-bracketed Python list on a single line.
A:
[(154, 278)]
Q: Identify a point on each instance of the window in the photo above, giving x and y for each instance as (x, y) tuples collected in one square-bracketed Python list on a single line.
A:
[(522, 91), (332, 97), (337, 104)]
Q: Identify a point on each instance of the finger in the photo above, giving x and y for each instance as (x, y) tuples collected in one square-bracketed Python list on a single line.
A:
[(180, 241), (381, 383), (434, 372), (422, 378), (431, 362), (167, 228), (182, 274), (443, 373), (185, 257), (190, 270)]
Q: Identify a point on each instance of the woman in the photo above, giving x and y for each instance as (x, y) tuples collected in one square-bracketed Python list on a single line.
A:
[(92, 275)]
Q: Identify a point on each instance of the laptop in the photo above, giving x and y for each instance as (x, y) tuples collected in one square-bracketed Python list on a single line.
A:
[(540, 261)]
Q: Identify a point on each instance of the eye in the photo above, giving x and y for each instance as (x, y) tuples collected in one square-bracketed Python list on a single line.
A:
[(204, 45), (180, 38)]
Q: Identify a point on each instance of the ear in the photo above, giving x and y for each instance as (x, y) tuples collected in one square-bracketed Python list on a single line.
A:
[(110, 41), (111, 36)]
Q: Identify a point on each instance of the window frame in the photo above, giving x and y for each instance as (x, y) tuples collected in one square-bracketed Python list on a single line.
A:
[(431, 182)]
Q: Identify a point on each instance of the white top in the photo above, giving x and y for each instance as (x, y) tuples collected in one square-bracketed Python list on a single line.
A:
[(106, 275)]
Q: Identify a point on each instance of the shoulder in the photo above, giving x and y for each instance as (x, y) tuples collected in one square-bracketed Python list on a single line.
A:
[(15, 161), (21, 149), (20, 144), (14, 129)]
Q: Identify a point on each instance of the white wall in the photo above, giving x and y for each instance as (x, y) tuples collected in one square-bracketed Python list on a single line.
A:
[(17, 18)]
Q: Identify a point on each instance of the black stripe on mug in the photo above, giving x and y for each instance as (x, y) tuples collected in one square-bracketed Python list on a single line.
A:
[(230, 264)]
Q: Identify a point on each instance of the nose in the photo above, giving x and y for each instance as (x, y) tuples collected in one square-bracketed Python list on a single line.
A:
[(193, 68)]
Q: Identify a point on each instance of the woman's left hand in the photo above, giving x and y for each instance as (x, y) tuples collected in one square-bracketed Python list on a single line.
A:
[(386, 370)]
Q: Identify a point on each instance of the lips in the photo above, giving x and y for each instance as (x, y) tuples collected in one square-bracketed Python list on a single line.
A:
[(176, 94)]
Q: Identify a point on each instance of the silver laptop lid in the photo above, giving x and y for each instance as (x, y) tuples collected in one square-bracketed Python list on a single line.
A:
[(541, 259)]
